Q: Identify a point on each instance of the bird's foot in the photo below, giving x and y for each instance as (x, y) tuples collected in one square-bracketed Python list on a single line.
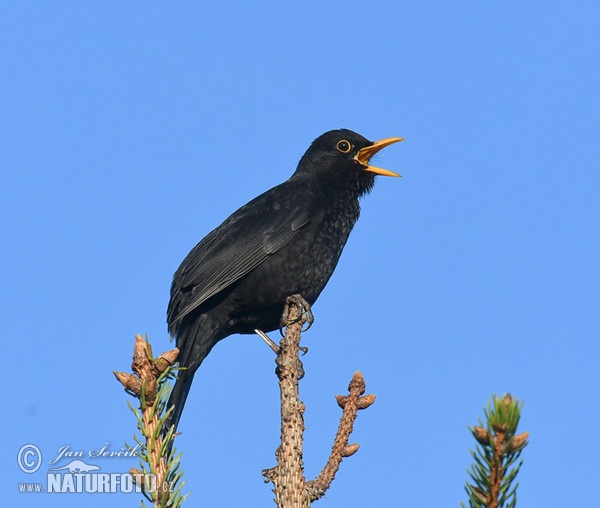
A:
[(267, 340), (306, 317)]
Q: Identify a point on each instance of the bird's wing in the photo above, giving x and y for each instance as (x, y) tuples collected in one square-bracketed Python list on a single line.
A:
[(257, 230)]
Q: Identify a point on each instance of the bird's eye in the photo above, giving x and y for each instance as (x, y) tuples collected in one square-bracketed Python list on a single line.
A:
[(344, 146)]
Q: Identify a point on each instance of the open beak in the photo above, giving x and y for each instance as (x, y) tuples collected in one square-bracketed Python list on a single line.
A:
[(364, 155)]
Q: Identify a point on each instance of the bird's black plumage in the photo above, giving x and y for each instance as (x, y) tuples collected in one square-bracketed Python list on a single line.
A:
[(286, 241)]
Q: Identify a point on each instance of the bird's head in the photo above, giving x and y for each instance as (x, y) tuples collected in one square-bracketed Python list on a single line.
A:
[(342, 157)]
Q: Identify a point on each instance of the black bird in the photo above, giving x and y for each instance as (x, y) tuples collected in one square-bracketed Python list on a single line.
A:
[(286, 241)]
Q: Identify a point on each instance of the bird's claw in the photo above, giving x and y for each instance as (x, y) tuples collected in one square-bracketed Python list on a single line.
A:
[(304, 350), (306, 316)]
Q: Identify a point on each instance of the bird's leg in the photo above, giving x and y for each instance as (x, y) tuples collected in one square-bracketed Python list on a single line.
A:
[(267, 340)]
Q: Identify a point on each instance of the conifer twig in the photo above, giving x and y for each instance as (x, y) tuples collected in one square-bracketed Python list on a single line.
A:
[(161, 480), (495, 467)]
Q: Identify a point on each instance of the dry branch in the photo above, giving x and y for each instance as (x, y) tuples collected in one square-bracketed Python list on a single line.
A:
[(290, 486), (350, 404)]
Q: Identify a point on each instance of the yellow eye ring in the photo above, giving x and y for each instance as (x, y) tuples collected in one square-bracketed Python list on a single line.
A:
[(344, 146)]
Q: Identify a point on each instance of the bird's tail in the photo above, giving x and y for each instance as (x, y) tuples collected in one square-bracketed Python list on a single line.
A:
[(178, 396), (194, 347)]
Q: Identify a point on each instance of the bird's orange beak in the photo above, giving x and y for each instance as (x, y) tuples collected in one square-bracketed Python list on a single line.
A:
[(364, 155)]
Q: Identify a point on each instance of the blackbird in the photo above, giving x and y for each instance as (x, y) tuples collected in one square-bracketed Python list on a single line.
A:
[(286, 241)]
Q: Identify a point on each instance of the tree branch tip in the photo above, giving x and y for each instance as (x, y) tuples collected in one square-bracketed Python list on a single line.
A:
[(357, 384), (507, 399), (141, 357), (140, 346), (495, 468), (147, 383)]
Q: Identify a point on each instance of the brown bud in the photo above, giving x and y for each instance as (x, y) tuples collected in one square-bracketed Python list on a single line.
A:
[(341, 400), (507, 399), (365, 401), (165, 360), (518, 442), (131, 383), (350, 449), (482, 435), (141, 362)]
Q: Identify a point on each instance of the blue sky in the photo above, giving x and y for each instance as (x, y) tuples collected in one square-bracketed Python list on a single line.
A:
[(130, 130)]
